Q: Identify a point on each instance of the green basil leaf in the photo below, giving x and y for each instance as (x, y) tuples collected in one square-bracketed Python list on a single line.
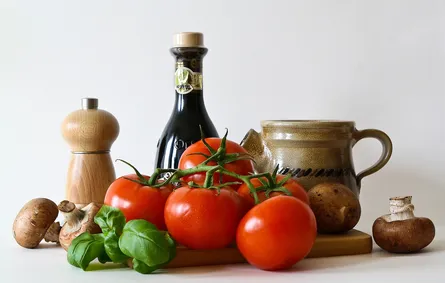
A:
[(171, 247), (85, 248), (104, 258), (141, 267), (111, 244), (71, 259), (110, 218), (143, 241)]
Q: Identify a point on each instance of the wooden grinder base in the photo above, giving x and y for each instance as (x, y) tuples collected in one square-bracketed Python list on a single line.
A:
[(352, 243)]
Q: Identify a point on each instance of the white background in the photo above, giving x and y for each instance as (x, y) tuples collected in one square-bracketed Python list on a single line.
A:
[(379, 63)]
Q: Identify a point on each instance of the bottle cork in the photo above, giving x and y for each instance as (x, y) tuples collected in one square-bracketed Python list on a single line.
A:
[(188, 39), (90, 133)]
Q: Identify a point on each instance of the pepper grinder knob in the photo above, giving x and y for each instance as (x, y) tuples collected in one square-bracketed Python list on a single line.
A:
[(90, 133), (90, 103)]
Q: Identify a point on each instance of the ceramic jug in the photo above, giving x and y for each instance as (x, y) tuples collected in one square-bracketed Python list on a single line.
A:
[(313, 151)]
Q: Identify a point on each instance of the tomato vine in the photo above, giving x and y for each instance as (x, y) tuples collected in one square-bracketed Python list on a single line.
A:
[(221, 158)]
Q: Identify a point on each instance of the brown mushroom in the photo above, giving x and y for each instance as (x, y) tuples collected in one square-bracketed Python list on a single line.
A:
[(335, 206), (52, 235), (33, 222), (77, 221), (401, 231)]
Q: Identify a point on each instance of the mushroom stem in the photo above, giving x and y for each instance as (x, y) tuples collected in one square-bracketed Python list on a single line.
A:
[(400, 208), (73, 216), (77, 221)]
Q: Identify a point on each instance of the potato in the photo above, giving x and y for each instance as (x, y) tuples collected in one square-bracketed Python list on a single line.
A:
[(336, 208)]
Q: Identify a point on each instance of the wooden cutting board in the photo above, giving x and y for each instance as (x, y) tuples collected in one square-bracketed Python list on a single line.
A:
[(352, 243)]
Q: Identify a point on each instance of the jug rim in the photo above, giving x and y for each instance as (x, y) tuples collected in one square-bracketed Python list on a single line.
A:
[(307, 123)]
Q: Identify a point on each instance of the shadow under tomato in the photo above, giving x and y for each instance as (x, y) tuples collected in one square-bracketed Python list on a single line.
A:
[(204, 270), (336, 264)]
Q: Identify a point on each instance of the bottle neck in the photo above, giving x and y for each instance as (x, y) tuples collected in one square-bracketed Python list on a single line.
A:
[(190, 102), (188, 77)]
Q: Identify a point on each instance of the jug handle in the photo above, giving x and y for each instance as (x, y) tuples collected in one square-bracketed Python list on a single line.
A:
[(386, 150)]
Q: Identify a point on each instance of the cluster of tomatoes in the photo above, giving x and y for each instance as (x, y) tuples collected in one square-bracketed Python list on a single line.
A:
[(273, 234)]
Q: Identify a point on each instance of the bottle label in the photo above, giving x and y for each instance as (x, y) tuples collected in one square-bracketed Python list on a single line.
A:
[(186, 80)]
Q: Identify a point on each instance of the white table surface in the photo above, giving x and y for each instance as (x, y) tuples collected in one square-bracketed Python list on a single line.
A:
[(48, 264)]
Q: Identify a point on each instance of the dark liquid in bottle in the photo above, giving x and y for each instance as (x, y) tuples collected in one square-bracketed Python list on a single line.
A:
[(189, 112)]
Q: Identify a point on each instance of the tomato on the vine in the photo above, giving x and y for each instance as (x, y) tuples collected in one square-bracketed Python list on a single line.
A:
[(277, 233), (197, 152), (293, 186), (137, 201), (200, 218)]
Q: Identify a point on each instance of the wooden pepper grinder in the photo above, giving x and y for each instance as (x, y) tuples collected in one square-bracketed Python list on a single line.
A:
[(90, 132)]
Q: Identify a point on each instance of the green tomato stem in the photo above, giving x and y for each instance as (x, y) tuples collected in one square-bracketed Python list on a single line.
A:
[(153, 182), (220, 157), (209, 176)]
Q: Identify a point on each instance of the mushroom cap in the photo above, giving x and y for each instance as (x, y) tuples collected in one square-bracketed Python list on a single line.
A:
[(33, 220), (403, 236)]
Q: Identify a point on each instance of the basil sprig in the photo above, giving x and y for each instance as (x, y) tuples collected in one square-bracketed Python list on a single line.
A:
[(148, 247), (85, 248), (112, 222)]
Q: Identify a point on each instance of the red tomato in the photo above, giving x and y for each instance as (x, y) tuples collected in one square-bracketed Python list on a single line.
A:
[(242, 167), (202, 219), (291, 185), (137, 201), (277, 233)]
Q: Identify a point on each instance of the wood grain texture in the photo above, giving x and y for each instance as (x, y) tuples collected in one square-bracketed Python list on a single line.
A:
[(352, 243), (87, 183), (91, 131)]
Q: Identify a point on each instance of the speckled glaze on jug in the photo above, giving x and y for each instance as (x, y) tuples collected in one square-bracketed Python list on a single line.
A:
[(313, 151)]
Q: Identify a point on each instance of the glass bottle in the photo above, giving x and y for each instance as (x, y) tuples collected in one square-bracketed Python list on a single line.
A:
[(189, 111)]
